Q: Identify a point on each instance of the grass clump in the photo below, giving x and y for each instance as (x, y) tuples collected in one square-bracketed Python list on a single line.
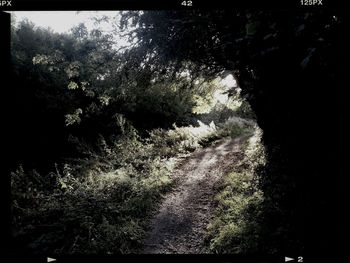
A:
[(235, 226)]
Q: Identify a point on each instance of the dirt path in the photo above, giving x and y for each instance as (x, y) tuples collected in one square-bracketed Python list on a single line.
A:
[(180, 224)]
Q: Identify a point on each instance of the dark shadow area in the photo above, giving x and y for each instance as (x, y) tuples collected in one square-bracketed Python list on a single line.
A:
[(290, 66)]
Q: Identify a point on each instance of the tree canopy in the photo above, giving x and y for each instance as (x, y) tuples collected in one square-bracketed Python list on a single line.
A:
[(289, 65)]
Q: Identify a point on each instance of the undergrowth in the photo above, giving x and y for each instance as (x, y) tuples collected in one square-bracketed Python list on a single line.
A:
[(102, 203), (97, 206), (235, 226)]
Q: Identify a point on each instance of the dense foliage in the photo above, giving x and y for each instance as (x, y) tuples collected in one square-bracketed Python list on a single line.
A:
[(99, 132), (289, 65), (85, 112)]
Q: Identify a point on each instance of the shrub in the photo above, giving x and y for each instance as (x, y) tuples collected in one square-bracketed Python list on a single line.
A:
[(245, 110), (232, 127)]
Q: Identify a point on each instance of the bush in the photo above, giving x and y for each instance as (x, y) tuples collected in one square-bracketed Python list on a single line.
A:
[(245, 111), (232, 127)]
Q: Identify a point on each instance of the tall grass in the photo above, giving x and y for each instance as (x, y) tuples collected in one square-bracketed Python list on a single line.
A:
[(102, 203), (96, 205), (235, 226)]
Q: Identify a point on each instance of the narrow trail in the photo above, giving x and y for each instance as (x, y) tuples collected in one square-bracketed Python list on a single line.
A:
[(180, 223)]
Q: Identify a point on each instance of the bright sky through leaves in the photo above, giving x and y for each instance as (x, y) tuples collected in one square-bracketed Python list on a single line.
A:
[(63, 21)]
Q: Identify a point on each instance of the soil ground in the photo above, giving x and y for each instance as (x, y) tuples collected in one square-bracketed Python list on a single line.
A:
[(180, 224)]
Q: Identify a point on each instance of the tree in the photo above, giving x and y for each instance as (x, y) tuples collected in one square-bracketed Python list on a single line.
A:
[(76, 84), (55, 76), (285, 62)]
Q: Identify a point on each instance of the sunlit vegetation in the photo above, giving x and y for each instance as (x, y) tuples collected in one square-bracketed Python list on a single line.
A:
[(98, 132), (289, 64), (92, 205), (236, 226), (106, 137), (100, 204)]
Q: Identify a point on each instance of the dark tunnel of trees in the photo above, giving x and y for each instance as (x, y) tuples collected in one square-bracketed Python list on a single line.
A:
[(289, 65)]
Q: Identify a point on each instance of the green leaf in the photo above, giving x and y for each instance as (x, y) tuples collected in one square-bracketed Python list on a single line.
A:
[(72, 85)]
